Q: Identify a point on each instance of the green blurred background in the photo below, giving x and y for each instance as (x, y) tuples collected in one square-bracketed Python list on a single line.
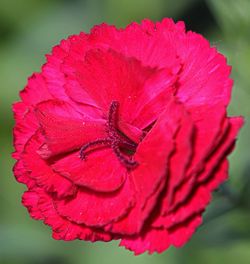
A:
[(28, 30)]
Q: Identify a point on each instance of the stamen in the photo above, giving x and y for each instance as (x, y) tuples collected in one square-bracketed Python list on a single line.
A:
[(115, 139), (104, 142), (112, 117)]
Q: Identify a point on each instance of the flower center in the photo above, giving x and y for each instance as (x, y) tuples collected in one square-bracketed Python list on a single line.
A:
[(122, 146)]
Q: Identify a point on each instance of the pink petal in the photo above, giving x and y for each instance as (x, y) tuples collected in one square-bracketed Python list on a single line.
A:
[(101, 171), (56, 79), (95, 208)]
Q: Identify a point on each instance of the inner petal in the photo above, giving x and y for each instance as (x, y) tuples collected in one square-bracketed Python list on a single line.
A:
[(106, 75), (101, 171), (64, 128)]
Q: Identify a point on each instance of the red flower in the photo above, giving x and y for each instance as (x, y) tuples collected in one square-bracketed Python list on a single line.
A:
[(124, 135)]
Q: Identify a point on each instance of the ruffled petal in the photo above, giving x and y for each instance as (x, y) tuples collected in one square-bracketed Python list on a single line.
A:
[(159, 239), (26, 126), (22, 175), (224, 148), (204, 79), (95, 208), (51, 70), (151, 174), (41, 172), (36, 90), (179, 161), (214, 173), (154, 49), (41, 207), (30, 200)]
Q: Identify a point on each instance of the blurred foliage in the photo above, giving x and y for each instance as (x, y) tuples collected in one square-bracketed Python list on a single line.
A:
[(28, 30)]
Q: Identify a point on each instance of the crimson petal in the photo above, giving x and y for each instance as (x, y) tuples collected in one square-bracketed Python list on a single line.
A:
[(40, 206), (159, 239), (65, 128), (40, 171), (100, 171)]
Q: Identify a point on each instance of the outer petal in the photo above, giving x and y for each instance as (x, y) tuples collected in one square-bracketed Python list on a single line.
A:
[(223, 149), (51, 71), (179, 161), (153, 49), (26, 122), (30, 200), (159, 239), (206, 139), (95, 208), (36, 90), (40, 171), (41, 207), (214, 173), (204, 79), (22, 175), (26, 126)]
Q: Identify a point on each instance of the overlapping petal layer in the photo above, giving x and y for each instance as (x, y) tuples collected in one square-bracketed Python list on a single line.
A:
[(148, 106)]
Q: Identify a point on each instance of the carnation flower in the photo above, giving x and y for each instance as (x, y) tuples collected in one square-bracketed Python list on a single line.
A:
[(124, 134)]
